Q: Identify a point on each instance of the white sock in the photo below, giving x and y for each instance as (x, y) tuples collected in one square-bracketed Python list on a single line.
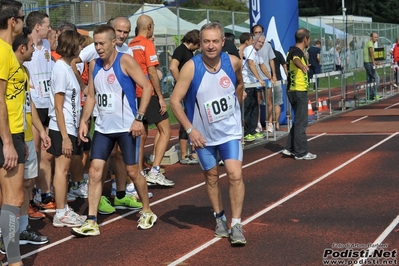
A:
[(152, 156), (60, 212), (23, 222), (235, 221)]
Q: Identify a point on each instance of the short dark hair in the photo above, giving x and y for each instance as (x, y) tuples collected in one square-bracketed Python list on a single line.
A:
[(245, 36), (68, 43), (191, 37), (301, 34), (8, 9), (107, 29), (35, 17), (229, 37), (22, 39), (256, 25), (65, 26), (317, 42)]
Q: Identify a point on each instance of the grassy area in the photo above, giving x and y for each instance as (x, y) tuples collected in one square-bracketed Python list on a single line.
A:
[(359, 76), (172, 119)]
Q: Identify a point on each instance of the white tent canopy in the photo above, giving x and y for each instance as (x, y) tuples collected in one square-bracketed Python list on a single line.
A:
[(166, 22)]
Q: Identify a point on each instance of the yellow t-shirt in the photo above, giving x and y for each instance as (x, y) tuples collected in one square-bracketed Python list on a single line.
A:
[(297, 80), (12, 72), (28, 110)]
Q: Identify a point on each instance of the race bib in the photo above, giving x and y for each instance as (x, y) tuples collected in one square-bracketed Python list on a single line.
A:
[(44, 88), (220, 108), (105, 102)]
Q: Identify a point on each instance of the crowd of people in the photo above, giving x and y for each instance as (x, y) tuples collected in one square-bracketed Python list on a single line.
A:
[(55, 83)]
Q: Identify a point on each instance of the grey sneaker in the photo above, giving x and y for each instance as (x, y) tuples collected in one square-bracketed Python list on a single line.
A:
[(308, 156), (158, 179), (189, 160), (221, 228), (287, 152), (237, 237), (30, 237)]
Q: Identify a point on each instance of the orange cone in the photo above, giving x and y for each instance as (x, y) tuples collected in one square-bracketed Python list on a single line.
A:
[(324, 105), (319, 106), (310, 109)]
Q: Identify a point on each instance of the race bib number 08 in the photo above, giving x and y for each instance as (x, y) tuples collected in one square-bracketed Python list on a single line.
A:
[(105, 102), (220, 108)]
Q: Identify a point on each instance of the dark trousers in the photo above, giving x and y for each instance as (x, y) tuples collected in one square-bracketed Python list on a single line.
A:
[(312, 71), (297, 141), (251, 111)]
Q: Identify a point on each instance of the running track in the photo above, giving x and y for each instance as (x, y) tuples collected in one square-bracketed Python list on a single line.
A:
[(293, 210)]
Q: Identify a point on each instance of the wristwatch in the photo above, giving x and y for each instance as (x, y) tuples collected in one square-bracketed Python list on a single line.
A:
[(139, 117), (188, 131)]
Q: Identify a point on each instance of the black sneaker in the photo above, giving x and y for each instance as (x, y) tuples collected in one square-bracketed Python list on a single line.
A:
[(30, 237), (2, 248)]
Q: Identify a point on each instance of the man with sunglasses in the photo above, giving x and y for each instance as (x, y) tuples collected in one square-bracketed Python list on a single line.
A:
[(12, 144)]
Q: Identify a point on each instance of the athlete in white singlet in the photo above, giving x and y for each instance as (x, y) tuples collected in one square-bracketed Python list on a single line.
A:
[(112, 81), (212, 86)]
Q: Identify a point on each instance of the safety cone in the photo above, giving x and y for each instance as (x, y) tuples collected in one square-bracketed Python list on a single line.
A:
[(319, 106), (324, 105), (310, 109)]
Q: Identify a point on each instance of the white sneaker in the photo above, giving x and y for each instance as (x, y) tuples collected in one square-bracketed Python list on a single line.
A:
[(159, 179), (308, 156), (259, 128), (80, 191), (69, 219), (270, 128)]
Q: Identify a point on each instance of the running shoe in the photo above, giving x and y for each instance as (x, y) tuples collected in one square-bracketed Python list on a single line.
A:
[(270, 128), (259, 128), (69, 219), (308, 156), (105, 207), (287, 152), (221, 228), (149, 164), (237, 235), (189, 160), (249, 138), (70, 197), (158, 179), (146, 220), (46, 207), (258, 135), (87, 229), (79, 191), (2, 248), (127, 202), (31, 237), (34, 213)]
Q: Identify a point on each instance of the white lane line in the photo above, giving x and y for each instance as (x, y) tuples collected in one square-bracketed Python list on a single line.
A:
[(152, 204), (255, 216), (361, 118), (391, 106), (379, 240), (152, 144)]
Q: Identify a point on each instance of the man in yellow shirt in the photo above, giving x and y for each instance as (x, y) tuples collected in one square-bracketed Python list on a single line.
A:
[(297, 142), (12, 145)]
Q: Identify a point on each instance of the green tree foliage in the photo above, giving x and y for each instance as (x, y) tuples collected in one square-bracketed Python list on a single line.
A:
[(380, 11), (231, 5)]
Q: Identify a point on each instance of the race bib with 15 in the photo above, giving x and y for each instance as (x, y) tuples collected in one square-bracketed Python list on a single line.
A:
[(220, 108)]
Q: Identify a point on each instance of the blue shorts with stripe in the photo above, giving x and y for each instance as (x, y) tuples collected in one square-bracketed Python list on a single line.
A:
[(208, 156), (103, 144)]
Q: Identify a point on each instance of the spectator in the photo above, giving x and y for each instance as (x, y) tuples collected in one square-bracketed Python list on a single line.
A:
[(315, 62), (297, 143), (369, 65), (182, 54), (229, 44), (337, 59)]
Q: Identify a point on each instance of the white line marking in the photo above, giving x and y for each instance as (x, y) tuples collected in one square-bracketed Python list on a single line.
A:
[(379, 240), (253, 217), (361, 118), (391, 106)]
